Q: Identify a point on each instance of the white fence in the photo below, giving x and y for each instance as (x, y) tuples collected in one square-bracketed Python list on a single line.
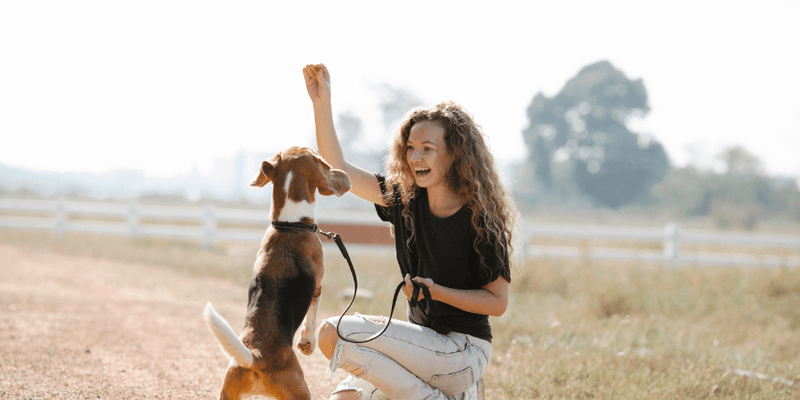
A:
[(770, 250), (211, 224), (132, 219)]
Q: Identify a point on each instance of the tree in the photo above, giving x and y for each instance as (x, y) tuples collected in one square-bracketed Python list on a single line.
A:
[(738, 197), (395, 103), (738, 161), (585, 125)]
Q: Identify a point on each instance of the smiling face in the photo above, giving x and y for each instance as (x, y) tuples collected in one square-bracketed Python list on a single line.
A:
[(427, 154)]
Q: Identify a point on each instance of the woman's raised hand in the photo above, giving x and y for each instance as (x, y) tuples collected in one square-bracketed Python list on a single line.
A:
[(318, 82)]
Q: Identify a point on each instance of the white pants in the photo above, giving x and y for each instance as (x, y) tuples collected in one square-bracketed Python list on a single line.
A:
[(408, 361)]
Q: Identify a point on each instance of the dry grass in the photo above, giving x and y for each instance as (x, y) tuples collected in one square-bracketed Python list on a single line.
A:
[(637, 331), (574, 329)]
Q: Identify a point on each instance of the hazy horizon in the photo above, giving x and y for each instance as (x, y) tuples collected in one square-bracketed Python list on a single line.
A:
[(166, 87)]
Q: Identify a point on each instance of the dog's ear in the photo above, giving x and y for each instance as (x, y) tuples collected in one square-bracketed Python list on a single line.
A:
[(265, 174), (335, 181)]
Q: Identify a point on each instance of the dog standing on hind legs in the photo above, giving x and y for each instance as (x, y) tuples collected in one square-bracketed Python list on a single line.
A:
[(286, 283)]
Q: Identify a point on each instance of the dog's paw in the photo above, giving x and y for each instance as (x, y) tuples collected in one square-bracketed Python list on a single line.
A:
[(306, 345)]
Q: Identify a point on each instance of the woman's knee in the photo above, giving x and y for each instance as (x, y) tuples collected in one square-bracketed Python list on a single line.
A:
[(327, 337), (346, 395)]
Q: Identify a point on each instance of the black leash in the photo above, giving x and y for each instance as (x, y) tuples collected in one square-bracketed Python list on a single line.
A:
[(302, 226)]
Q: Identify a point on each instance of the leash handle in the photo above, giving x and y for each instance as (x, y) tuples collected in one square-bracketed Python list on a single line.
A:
[(415, 293)]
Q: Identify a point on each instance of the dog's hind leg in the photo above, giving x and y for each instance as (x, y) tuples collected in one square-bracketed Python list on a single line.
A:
[(287, 383), (238, 382), (308, 340)]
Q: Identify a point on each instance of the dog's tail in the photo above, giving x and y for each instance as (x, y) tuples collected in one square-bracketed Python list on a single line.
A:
[(230, 344)]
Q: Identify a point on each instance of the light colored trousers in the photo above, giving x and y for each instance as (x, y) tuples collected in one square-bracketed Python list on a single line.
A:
[(408, 361)]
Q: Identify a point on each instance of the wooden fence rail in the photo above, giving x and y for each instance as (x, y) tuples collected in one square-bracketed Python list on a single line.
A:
[(210, 224)]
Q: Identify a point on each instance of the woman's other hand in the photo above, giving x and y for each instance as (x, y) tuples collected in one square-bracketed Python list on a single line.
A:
[(408, 288)]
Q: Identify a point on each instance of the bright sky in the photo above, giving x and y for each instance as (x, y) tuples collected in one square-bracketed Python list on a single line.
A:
[(165, 85)]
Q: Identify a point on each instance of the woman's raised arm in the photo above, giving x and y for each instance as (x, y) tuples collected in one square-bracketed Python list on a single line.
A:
[(318, 82)]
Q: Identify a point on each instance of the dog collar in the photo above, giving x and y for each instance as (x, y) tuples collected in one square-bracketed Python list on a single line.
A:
[(295, 226)]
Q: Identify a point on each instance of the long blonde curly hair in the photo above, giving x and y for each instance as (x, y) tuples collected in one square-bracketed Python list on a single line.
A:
[(472, 175)]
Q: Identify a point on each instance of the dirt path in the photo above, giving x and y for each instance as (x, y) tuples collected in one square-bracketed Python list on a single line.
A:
[(83, 328)]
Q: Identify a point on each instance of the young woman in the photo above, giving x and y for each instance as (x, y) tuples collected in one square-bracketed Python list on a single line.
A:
[(453, 224)]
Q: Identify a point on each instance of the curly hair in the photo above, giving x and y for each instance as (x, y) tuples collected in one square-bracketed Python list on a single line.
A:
[(472, 175)]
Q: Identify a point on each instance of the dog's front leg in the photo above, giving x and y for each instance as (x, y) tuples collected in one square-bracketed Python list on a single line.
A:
[(308, 338)]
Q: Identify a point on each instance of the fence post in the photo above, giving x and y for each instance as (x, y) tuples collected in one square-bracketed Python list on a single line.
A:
[(133, 219), (60, 217), (672, 242), (209, 226)]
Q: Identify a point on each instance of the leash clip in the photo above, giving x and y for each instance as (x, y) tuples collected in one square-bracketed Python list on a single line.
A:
[(329, 235)]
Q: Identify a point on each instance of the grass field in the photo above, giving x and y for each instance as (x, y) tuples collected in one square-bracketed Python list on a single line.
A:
[(574, 329)]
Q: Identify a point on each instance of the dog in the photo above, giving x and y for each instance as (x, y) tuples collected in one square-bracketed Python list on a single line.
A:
[(286, 284)]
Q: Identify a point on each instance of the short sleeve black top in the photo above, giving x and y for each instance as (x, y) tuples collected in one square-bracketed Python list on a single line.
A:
[(442, 250)]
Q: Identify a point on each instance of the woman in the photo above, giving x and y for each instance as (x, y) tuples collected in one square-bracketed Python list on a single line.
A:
[(453, 226)]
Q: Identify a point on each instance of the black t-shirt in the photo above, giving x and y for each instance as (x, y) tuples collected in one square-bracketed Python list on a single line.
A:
[(442, 250)]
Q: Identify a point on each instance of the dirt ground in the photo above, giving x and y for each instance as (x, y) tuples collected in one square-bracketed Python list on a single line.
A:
[(84, 328)]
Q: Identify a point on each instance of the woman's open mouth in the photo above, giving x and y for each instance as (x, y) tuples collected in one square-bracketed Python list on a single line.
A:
[(422, 172)]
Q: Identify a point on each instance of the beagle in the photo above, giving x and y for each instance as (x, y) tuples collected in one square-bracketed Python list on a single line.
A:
[(285, 286)]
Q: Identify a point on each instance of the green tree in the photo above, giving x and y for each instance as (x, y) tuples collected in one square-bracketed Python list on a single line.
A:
[(585, 125)]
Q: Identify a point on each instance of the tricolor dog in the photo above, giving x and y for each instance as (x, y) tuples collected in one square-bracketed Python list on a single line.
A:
[(285, 286)]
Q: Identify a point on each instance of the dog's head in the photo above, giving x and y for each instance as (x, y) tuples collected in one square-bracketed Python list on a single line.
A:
[(296, 174)]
